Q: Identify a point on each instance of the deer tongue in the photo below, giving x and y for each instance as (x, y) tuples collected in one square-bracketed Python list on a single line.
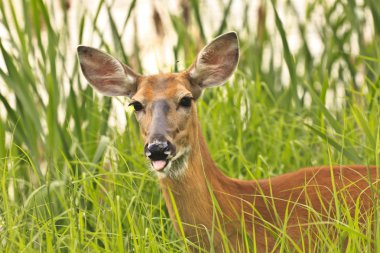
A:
[(158, 165)]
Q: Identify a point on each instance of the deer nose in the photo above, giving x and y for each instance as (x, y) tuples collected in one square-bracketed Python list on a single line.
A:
[(158, 150)]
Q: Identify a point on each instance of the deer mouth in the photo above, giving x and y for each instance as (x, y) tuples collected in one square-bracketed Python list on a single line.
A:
[(160, 153), (169, 165), (159, 161), (159, 165)]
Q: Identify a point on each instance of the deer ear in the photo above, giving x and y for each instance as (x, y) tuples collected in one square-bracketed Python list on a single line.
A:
[(107, 74), (216, 62)]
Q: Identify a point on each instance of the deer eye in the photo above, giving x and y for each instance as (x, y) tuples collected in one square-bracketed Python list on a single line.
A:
[(185, 101), (137, 106)]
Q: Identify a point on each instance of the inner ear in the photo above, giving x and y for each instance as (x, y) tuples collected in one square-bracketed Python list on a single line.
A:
[(216, 62), (107, 74)]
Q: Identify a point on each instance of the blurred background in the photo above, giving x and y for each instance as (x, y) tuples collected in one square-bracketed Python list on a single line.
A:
[(306, 92)]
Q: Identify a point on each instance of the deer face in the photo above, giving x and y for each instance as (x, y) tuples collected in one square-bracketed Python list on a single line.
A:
[(164, 103), (164, 107)]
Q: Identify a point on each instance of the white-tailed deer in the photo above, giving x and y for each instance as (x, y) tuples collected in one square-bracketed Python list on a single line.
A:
[(165, 109)]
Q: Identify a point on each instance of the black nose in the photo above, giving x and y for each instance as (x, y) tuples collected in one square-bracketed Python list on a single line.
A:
[(158, 150)]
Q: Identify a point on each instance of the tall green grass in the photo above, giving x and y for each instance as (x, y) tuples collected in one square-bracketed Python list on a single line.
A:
[(70, 183)]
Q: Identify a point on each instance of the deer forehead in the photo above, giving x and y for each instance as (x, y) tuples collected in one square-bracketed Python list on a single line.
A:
[(162, 87)]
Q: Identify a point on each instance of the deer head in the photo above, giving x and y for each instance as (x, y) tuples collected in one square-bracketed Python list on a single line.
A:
[(164, 103)]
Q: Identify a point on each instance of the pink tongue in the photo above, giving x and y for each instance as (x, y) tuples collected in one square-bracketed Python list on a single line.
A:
[(158, 165)]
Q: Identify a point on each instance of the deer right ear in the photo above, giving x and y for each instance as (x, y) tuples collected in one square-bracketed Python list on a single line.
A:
[(107, 74)]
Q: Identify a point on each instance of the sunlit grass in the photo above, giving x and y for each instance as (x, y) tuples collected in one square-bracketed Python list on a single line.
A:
[(70, 183)]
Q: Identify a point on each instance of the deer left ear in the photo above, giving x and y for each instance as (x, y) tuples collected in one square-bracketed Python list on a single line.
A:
[(216, 62)]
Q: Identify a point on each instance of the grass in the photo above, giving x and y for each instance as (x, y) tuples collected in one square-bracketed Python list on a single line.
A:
[(71, 183)]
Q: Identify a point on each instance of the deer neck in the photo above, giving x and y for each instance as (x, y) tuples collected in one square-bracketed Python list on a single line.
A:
[(192, 193)]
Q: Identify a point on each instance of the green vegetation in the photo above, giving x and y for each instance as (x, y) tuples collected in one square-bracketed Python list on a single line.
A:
[(70, 183)]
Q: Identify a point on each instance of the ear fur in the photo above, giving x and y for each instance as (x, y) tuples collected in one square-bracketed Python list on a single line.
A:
[(216, 62), (107, 74)]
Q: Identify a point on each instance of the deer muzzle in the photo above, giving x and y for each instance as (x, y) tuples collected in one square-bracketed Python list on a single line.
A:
[(159, 153)]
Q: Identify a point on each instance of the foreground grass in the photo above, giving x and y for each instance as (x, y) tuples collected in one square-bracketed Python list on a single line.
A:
[(72, 184)]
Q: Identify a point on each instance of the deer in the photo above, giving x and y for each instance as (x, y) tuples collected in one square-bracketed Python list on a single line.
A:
[(191, 183)]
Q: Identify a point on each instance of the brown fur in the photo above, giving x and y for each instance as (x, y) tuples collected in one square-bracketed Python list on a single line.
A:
[(261, 203), (287, 205)]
